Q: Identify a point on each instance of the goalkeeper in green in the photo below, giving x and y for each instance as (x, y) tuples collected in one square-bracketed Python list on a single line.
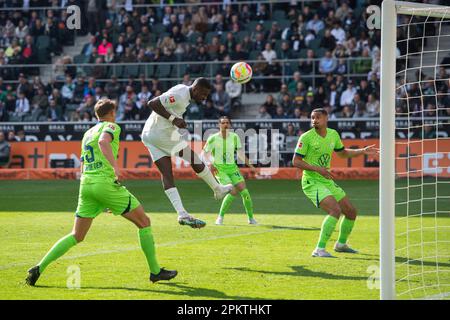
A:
[(313, 156), (100, 189), (223, 146)]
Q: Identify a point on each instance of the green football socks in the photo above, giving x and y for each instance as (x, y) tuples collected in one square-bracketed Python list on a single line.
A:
[(59, 248), (328, 225), (226, 203), (345, 229), (248, 203), (246, 200), (148, 246)]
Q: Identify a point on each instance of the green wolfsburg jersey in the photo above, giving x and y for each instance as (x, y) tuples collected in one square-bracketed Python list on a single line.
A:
[(223, 150), (317, 150), (95, 166)]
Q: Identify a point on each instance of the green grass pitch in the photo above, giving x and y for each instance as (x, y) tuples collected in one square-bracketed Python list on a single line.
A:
[(234, 261)]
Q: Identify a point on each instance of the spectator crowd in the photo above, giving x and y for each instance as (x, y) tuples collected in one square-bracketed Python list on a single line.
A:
[(317, 37)]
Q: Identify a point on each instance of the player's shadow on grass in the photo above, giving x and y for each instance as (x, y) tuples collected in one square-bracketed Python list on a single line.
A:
[(291, 228), (405, 260), (185, 291), (419, 262), (301, 271), (202, 292)]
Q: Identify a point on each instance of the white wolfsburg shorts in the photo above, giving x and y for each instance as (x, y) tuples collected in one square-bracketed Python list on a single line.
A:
[(163, 142)]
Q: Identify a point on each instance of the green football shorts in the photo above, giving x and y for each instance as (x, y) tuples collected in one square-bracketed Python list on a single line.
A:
[(316, 190), (94, 198), (226, 177)]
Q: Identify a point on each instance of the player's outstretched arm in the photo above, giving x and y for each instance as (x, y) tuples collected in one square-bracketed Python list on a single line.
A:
[(156, 105), (298, 162), (351, 153), (104, 144), (242, 157)]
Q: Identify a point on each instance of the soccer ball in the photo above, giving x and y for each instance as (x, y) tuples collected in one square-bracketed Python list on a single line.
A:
[(241, 72)]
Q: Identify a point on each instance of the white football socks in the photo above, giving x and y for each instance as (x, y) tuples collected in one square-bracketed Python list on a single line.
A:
[(207, 176), (175, 199)]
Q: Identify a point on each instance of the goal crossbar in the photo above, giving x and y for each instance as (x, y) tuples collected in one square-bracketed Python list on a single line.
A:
[(421, 9)]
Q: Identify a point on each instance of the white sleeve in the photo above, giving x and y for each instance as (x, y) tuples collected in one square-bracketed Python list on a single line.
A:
[(169, 100)]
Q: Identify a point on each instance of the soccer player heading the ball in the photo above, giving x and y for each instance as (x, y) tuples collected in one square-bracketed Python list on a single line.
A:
[(160, 135), (100, 189), (313, 155), (223, 145)]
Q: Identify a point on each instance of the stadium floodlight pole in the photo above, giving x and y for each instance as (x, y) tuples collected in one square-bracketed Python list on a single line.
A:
[(387, 150)]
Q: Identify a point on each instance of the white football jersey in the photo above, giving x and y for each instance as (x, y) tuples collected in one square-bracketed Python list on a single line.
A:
[(176, 101)]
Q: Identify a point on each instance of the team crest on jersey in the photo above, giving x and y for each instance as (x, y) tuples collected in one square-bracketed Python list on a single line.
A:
[(111, 127), (172, 99), (300, 144)]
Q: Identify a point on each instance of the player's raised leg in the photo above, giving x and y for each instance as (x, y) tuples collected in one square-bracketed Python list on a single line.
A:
[(204, 173), (80, 229), (164, 165), (346, 226), (142, 221), (331, 206)]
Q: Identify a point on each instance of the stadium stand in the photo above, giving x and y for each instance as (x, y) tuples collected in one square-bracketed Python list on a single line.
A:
[(320, 50)]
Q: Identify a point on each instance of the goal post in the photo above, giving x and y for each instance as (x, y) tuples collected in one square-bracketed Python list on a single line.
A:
[(387, 149), (419, 208)]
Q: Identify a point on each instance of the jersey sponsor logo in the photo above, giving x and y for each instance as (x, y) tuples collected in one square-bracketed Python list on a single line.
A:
[(324, 160)]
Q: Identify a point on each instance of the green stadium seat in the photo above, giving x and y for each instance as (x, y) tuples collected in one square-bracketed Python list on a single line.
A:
[(80, 58), (252, 25), (358, 11), (87, 70), (71, 107), (162, 35), (254, 55), (296, 54), (223, 37), (267, 25), (14, 118), (131, 71), (278, 15), (210, 35), (284, 23), (182, 69), (193, 37), (320, 34), (314, 44), (43, 42), (278, 44), (320, 52), (149, 70), (158, 28), (241, 35), (43, 56), (164, 71), (302, 53), (27, 118), (117, 71)]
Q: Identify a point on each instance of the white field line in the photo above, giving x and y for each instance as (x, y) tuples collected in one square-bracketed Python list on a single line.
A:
[(439, 296), (134, 248)]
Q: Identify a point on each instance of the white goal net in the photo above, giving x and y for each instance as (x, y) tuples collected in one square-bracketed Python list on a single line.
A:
[(418, 265)]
